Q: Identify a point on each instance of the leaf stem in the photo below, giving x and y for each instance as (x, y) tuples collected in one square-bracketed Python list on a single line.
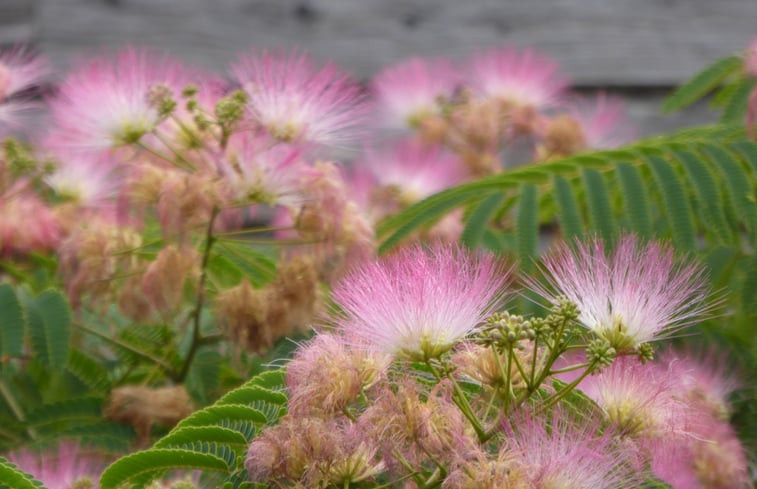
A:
[(200, 302)]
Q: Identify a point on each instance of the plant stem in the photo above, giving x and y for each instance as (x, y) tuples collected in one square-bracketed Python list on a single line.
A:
[(13, 404), (565, 390), (197, 312), (167, 369), (460, 400)]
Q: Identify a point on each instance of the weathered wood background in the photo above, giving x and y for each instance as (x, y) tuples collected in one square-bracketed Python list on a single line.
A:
[(638, 49)]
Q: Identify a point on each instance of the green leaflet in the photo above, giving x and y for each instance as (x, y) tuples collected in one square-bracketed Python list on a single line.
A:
[(12, 323), (568, 212), (13, 478), (708, 195), (702, 83), (480, 217), (736, 105), (153, 462), (635, 199), (598, 201), (527, 225), (49, 328), (676, 202)]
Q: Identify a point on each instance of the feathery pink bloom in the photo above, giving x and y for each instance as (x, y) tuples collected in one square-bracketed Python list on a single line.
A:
[(105, 103), (750, 58), (61, 467), (260, 170), (569, 452), (603, 122), (89, 179), (295, 101), (411, 90), (19, 71), (414, 169), (639, 399), (704, 380), (635, 294), (417, 303), (521, 78)]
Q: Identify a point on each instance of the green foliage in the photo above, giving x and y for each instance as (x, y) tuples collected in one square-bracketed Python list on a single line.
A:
[(49, 328), (13, 478), (212, 440), (12, 323), (702, 83)]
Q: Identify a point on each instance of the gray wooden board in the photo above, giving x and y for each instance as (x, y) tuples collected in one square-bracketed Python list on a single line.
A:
[(599, 42), (16, 21), (622, 43)]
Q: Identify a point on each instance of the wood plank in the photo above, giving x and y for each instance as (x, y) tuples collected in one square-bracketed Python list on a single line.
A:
[(16, 21), (599, 42)]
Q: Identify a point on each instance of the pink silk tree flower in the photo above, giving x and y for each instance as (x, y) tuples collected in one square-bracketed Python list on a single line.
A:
[(569, 452), (418, 303), (519, 78), (105, 104), (297, 102), (19, 71), (750, 58), (411, 90), (66, 466), (259, 170), (89, 179), (603, 122), (629, 296), (413, 169), (639, 399)]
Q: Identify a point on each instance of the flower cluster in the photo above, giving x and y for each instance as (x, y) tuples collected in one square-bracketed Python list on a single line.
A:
[(420, 377)]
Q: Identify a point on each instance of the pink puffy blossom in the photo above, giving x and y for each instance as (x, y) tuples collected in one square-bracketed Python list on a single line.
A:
[(60, 467), (261, 170), (603, 122), (411, 90), (629, 296), (105, 104), (19, 71), (415, 170), (522, 78), (705, 381), (418, 303), (295, 101), (569, 452), (89, 179), (750, 58), (639, 399)]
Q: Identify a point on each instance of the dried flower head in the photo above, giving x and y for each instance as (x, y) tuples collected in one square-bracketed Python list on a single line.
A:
[(629, 296), (26, 223), (312, 452), (417, 303), (326, 375), (144, 407)]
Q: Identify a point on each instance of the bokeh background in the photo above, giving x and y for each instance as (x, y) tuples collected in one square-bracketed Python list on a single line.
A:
[(636, 49)]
